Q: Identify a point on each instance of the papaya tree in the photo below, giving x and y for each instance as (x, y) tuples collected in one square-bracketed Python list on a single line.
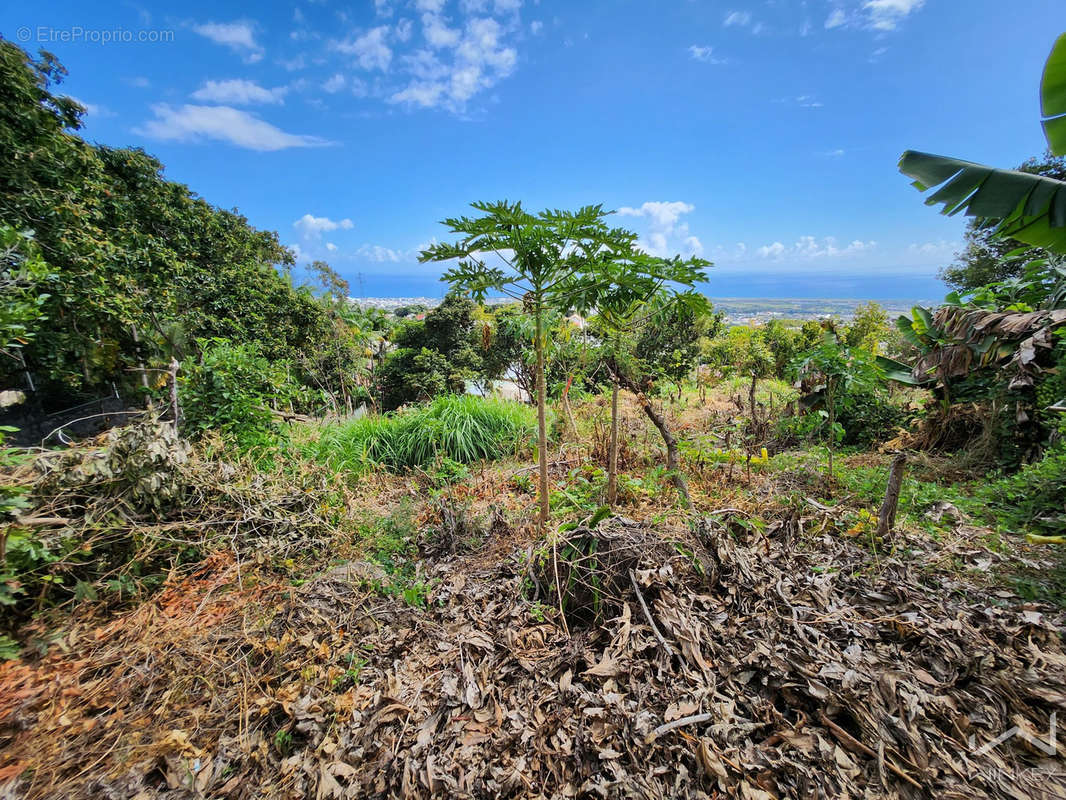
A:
[(550, 261)]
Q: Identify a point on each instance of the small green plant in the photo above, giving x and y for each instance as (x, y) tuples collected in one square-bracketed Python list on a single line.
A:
[(448, 472), (351, 675), (523, 483), (9, 648), (283, 741)]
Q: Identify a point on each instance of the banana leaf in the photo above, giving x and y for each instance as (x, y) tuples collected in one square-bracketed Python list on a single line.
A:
[(1031, 208), (1053, 97)]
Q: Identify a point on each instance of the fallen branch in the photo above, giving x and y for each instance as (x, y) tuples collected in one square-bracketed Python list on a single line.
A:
[(855, 746), (647, 614), (695, 719)]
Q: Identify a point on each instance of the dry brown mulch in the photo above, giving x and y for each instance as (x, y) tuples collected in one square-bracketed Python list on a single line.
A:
[(782, 663)]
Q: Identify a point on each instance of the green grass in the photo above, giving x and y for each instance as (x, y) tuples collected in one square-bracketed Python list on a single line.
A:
[(781, 392), (464, 429), (866, 485)]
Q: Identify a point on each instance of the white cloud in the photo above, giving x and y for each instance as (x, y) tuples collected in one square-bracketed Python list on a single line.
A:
[(370, 49), (835, 19), (705, 54), (808, 101), (939, 249), (138, 81), (738, 18), (403, 30), (885, 15), (383, 8), (311, 227), (666, 234), (437, 33), (835, 153), (375, 252), (455, 68), (335, 83), (662, 215), (194, 123), (430, 6), (536, 26), (239, 36), (331, 247), (239, 92), (877, 15), (810, 248), (294, 64)]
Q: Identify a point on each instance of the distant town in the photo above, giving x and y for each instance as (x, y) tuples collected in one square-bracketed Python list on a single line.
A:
[(736, 310)]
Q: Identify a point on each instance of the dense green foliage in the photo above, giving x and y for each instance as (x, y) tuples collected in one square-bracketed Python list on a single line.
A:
[(231, 388), (431, 358), (1034, 498), (463, 429), (131, 255)]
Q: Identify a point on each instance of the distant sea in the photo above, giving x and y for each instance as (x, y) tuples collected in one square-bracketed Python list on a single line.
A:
[(903, 289)]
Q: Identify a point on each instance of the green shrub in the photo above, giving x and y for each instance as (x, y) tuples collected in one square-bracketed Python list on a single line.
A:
[(1034, 498), (462, 429), (231, 388), (868, 417)]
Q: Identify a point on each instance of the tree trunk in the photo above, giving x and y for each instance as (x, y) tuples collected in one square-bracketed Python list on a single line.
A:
[(141, 369), (568, 410), (673, 459), (612, 457), (174, 407), (542, 431), (831, 408), (752, 426), (887, 518)]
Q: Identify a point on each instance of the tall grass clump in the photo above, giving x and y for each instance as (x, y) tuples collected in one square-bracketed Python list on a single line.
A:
[(462, 428)]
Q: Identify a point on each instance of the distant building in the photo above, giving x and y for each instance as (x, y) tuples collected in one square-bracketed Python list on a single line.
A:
[(577, 321)]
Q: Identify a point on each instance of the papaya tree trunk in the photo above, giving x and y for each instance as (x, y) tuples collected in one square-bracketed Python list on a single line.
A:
[(612, 457), (542, 430), (831, 408)]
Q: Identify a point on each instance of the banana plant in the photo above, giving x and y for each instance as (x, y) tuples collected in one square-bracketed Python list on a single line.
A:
[(1030, 208)]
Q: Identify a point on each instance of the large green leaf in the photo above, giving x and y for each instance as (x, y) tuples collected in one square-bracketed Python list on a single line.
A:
[(1053, 97), (899, 371), (1031, 208)]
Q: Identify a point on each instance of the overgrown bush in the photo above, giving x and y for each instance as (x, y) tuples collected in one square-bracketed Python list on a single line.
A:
[(869, 417), (232, 388), (463, 429)]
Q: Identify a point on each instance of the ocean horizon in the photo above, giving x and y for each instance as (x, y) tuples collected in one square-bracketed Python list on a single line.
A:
[(905, 289)]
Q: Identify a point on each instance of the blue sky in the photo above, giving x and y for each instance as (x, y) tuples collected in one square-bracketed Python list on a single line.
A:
[(761, 134)]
